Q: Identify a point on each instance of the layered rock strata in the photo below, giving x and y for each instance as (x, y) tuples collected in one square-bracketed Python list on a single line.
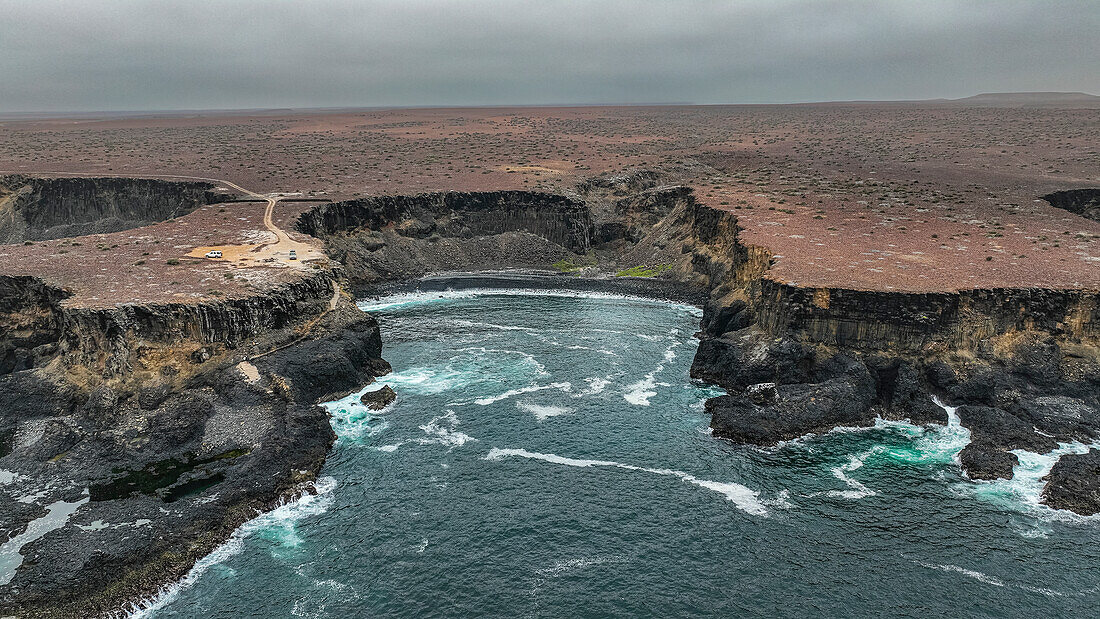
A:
[(36, 208), (165, 427), (1020, 364)]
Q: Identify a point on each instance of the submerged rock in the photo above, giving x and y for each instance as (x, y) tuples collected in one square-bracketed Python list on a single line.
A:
[(377, 400)]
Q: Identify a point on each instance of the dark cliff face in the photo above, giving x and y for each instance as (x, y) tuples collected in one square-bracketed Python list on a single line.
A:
[(33, 208), (1024, 364), (111, 342), (189, 463), (167, 415), (911, 322), (553, 217), (30, 325), (1083, 202), (390, 238)]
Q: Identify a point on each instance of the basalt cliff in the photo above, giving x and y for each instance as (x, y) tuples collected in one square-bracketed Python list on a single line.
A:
[(171, 424), (1020, 365), (34, 208), (166, 425)]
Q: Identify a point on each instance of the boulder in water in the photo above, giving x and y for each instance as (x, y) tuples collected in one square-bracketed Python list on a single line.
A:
[(1074, 483), (377, 400)]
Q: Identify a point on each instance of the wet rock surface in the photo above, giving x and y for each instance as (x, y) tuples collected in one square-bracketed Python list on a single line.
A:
[(378, 400), (1074, 483), (987, 462), (162, 469), (165, 473), (1030, 392)]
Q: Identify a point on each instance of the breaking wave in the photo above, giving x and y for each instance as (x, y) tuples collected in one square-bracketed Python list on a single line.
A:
[(315, 500)]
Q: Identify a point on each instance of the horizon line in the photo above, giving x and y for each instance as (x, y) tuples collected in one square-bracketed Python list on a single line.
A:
[(34, 114)]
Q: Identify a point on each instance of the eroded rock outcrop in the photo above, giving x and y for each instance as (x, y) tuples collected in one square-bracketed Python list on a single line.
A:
[(176, 423), (1022, 364), (1083, 202), (1074, 483), (166, 426)]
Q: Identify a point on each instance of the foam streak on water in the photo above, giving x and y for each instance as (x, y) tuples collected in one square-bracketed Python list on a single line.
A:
[(744, 498), (1025, 490)]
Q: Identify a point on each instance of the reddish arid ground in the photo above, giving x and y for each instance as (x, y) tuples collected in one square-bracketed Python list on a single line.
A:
[(914, 197)]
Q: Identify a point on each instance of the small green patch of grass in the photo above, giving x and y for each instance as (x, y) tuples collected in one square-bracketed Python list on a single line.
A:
[(568, 265), (644, 271)]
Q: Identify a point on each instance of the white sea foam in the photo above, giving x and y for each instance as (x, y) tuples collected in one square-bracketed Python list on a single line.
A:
[(284, 517), (541, 412), (566, 387), (987, 579), (563, 566), (488, 325), (640, 392), (418, 298), (746, 499), (527, 357), (353, 421), (1024, 491), (976, 575), (595, 385), (442, 430), (856, 490), (602, 351)]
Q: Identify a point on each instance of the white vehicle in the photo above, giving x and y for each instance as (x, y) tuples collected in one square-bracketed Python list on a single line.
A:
[(214, 253), (293, 255)]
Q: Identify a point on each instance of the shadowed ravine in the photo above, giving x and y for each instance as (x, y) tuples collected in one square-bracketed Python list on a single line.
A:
[(547, 455)]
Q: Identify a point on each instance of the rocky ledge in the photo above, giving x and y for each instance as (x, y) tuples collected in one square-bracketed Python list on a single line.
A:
[(35, 208), (1021, 366), (157, 449)]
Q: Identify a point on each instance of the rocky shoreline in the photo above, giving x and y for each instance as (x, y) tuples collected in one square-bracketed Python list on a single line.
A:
[(1020, 364), (169, 426), (164, 469)]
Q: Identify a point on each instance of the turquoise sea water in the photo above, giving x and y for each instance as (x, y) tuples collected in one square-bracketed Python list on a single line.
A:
[(548, 456)]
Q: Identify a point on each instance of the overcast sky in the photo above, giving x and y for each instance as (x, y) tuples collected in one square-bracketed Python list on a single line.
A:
[(189, 54)]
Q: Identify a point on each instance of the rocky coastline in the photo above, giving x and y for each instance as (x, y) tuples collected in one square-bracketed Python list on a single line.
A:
[(170, 425), (1019, 364)]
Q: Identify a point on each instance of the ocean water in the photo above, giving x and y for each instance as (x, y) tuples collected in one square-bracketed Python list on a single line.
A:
[(548, 456)]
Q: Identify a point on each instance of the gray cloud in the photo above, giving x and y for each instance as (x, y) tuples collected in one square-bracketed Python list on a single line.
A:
[(184, 54)]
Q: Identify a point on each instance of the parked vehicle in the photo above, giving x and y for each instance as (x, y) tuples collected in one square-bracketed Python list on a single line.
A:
[(293, 255), (214, 253)]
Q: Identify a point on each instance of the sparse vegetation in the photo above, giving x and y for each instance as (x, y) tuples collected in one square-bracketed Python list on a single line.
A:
[(644, 271), (572, 266)]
